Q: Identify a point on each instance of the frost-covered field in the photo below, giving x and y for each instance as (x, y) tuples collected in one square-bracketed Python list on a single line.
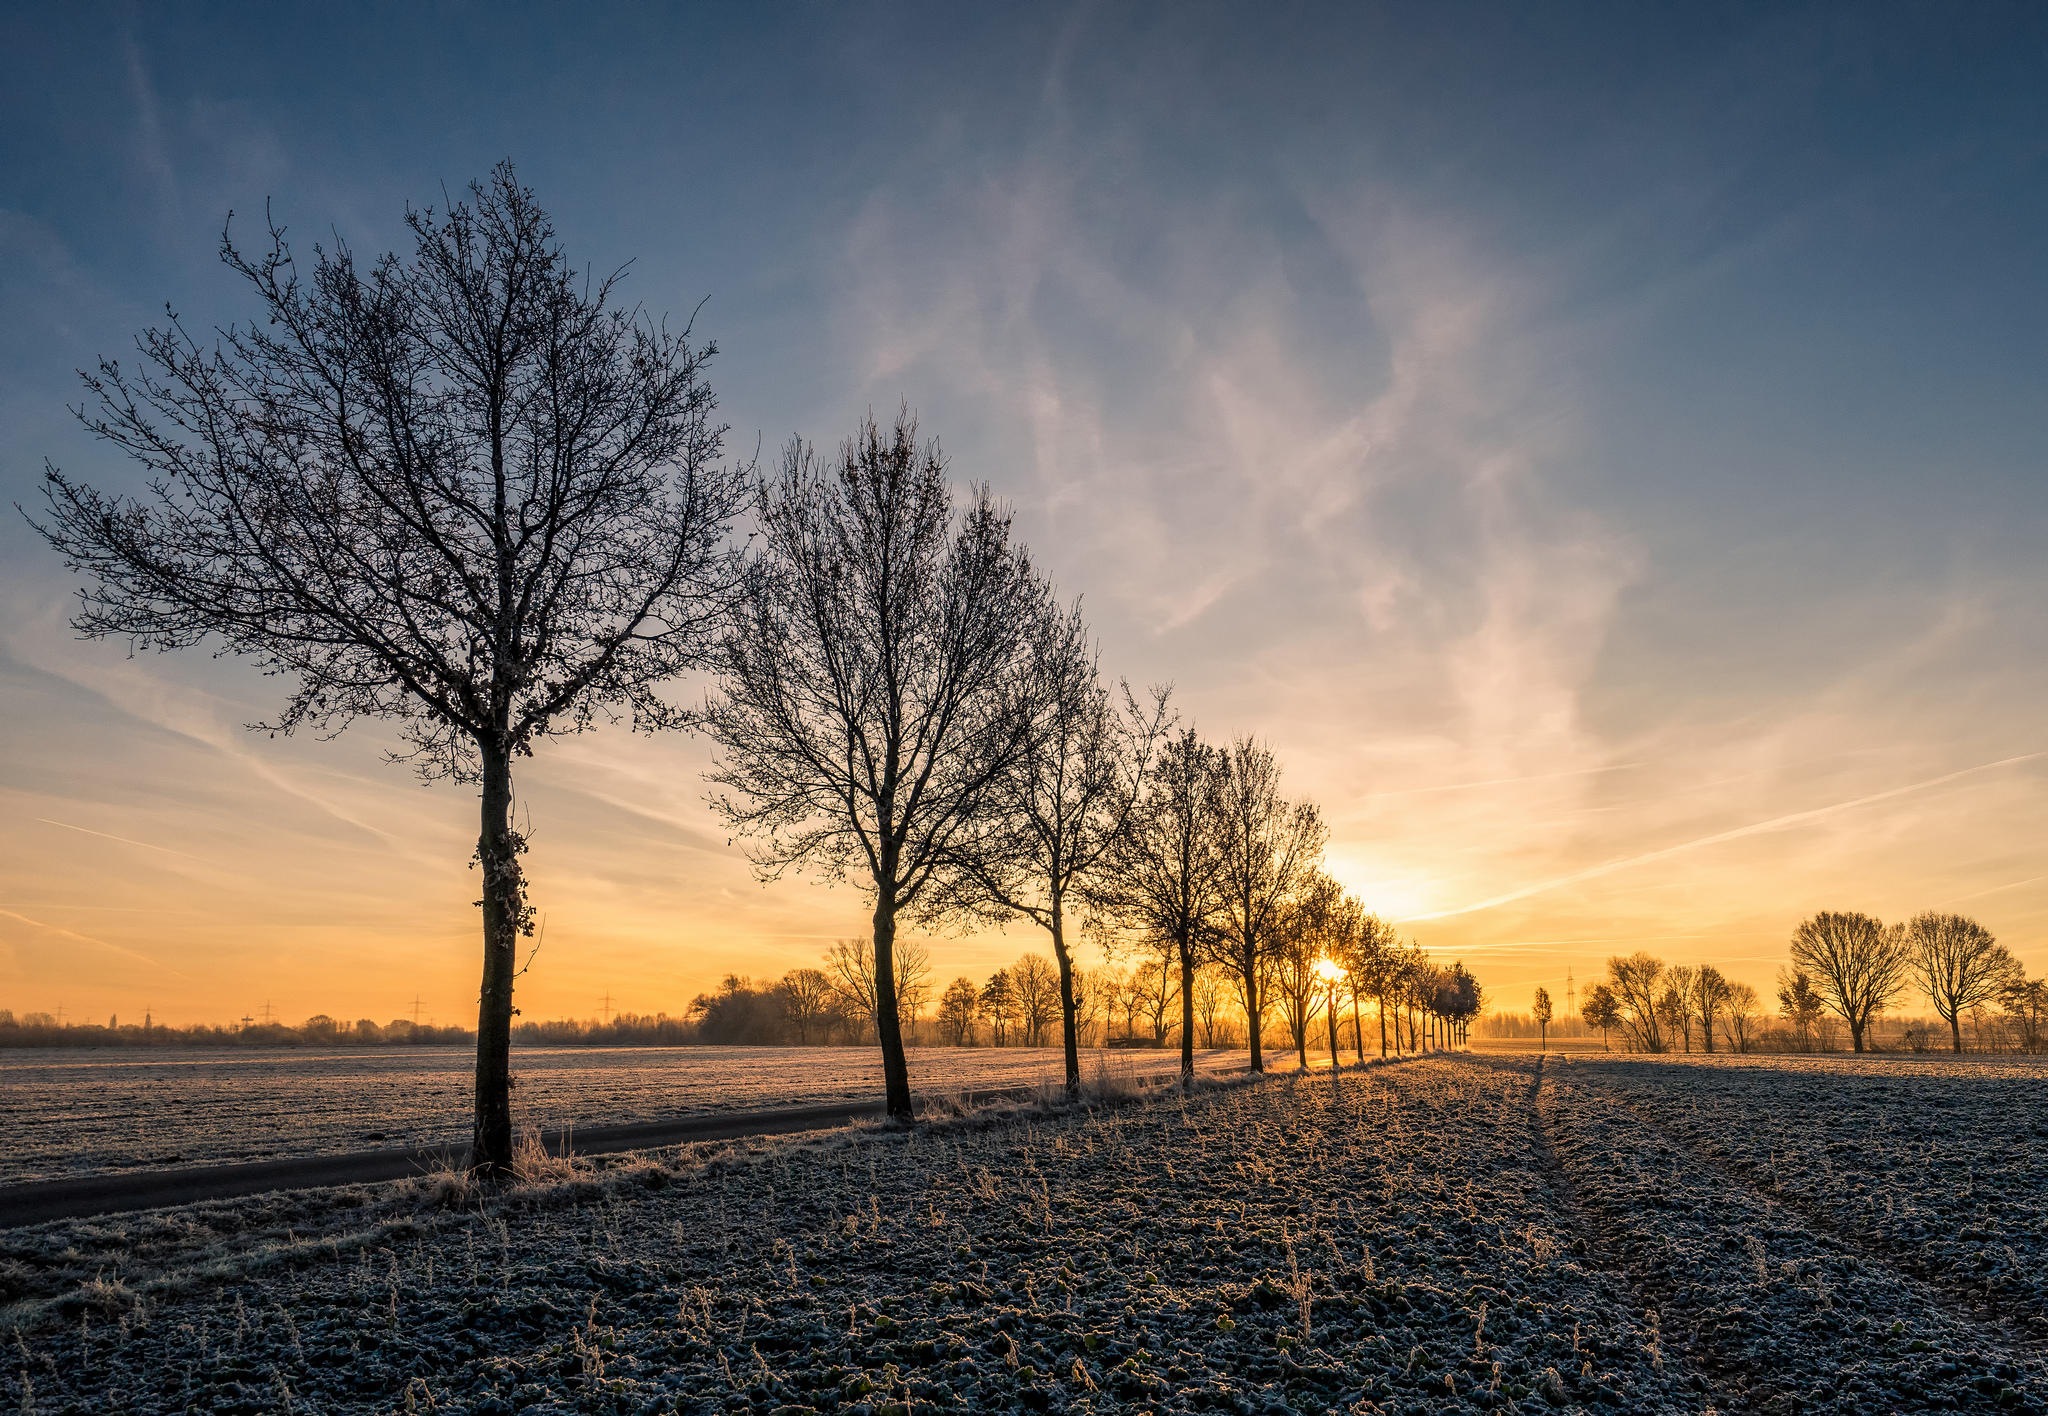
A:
[(67, 1113), (1447, 1234)]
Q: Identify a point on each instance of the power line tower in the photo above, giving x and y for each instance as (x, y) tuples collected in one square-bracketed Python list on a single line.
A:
[(607, 1005), (1571, 998), (415, 1010), (269, 1013), (246, 1020), (60, 1015)]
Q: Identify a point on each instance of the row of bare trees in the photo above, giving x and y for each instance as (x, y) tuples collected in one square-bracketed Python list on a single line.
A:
[(1850, 965), (1662, 1008), (467, 491)]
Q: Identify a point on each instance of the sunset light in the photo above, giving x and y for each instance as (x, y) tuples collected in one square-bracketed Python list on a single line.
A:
[(1057, 707)]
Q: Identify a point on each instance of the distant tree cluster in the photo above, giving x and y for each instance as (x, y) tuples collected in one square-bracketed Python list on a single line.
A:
[(1846, 971), (44, 1030), (468, 491)]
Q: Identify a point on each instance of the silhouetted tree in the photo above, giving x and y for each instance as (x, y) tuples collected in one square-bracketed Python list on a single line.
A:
[(1633, 983), (2026, 1004), (1602, 1010), (462, 490), (1540, 1011), (1800, 1004), (876, 690), (1707, 992), (856, 980), (1269, 846), (1859, 965), (1162, 881), (1960, 964), (1037, 984), (1058, 811), (1738, 1016), (1674, 1004), (806, 1000), (1212, 997), (958, 1006), (999, 1005), (1306, 933), (1358, 938)]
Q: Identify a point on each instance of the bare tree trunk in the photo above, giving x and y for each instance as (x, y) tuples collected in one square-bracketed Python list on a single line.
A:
[(504, 900), (1070, 1033), (1187, 1012), (1955, 1027), (1357, 1027), (1856, 1035), (1330, 1008), (1383, 1025), (888, 1030), (1251, 1015)]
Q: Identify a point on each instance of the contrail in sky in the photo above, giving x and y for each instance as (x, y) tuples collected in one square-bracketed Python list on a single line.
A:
[(88, 939), (109, 836), (1757, 828)]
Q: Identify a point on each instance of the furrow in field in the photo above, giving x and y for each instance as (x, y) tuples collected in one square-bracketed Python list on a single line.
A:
[(1800, 1320), (2004, 1328), (1699, 1366)]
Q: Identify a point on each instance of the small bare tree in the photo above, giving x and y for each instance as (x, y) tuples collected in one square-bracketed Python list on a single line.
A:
[(1038, 996), (999, 1005), (1674, 1004), (876, 691), (463, 490), (1309, 931), (958, 1007), (1707, 993), (1601, 1009), (1212, 1003), (856, 980), (1540, 1010), (806, 1000), (1162, 881), (1738, 1016), (1860, 966), (1157, 981), (1269, 847), (1376, 963), (1801, 1005), (1960, 964)]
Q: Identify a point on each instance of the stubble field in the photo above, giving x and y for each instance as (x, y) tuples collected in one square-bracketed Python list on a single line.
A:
[(67, 1112), (1458, 1233)]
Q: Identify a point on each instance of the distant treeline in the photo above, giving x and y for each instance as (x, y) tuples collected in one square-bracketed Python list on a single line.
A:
[(44, 1030), (1848, 975)]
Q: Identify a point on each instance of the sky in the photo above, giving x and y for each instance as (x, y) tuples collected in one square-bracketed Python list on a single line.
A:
[(1602, 449)]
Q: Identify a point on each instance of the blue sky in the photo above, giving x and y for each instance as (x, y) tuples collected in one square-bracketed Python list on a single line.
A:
[(1572, 435)]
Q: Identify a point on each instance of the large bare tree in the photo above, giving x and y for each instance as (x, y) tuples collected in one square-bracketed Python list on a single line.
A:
[(1060, 809), (1162, 882), (875, 689), (1270, 845), (1960, 963), (1859, 965), (464, 490), (1633, 984)]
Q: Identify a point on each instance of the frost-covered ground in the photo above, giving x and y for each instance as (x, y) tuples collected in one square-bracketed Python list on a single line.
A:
[(64, 1112), (1446, 1234)]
